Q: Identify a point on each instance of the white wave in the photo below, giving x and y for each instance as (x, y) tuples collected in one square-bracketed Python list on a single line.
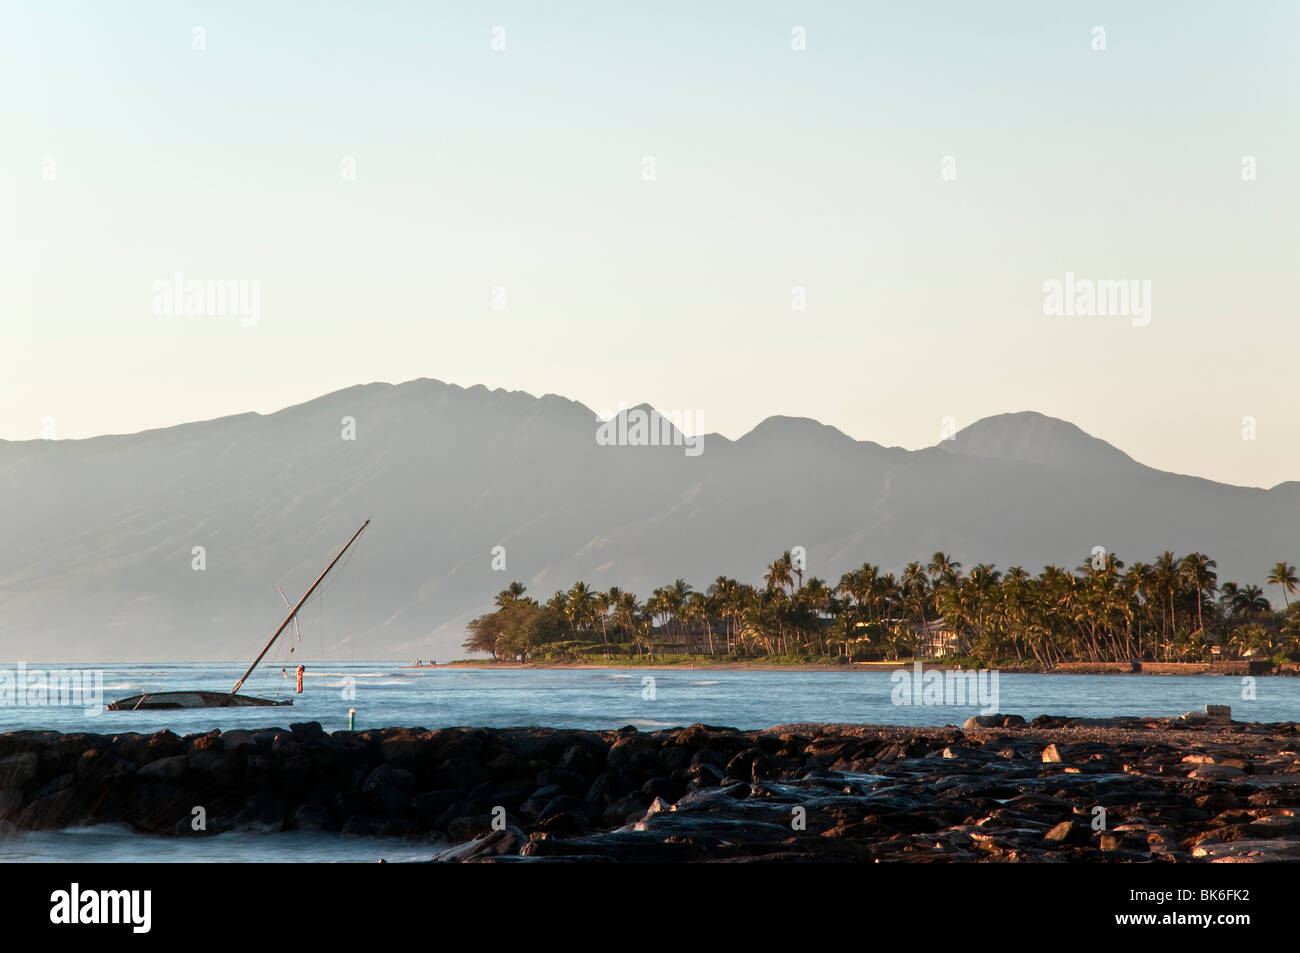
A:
[(704, 683)]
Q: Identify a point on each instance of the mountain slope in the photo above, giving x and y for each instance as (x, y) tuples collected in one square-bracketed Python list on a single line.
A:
[(101, 532)]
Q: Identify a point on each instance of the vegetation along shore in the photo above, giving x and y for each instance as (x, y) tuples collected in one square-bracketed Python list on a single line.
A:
[(1172, 611)]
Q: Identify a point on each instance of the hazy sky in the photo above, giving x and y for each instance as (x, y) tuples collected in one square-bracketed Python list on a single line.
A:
[(128, 155)]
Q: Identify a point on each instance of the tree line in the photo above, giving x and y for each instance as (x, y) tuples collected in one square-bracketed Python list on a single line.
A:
[(1172, 609)]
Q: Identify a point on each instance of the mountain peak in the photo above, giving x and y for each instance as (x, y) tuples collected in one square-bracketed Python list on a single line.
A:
[(1031, 437), (780, 427)]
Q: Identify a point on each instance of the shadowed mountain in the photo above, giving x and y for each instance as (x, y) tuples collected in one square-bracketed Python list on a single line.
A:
[(102, 533)]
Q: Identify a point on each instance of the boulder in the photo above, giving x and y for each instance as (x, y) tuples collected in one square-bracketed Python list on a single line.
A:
[(62, 809), (18, 770), (1069, 832), (168, 770)]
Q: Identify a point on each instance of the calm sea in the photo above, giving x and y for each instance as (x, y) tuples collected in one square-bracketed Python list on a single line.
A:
[(384, 694)]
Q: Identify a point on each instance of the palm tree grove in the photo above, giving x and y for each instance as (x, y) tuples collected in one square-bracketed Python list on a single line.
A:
[(1173, 609)]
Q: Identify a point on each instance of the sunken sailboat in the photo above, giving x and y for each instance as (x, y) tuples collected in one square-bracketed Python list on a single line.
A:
[(232, 698)]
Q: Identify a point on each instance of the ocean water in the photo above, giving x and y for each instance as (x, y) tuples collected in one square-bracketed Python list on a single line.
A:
[(385, 694)]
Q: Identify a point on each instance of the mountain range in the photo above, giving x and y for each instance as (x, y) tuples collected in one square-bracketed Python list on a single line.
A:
[(101, 534)]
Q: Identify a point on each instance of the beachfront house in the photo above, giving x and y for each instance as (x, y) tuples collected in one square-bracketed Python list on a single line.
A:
[(937, 640)]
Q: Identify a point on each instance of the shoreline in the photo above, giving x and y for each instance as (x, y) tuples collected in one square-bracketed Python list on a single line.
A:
[(1232, 668), (996, 789)]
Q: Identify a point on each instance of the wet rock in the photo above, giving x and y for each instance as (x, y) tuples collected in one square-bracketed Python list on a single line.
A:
[(867, 792), (19, 770), (61, 809), (468, 828), (664, 788), (169, 770), (307, 731), (263, 813), (1275, 825), (503, 843), (579, 759), (312, 817), (1069, 832), (705, 775), (538, 800), (387, 776), (570, 782), (1218, 802), (11, 803), (993, 721), (402, 749), (503, 763), (510, 794)]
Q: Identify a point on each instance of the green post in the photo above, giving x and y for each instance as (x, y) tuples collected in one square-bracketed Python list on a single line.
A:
[(352, 719)]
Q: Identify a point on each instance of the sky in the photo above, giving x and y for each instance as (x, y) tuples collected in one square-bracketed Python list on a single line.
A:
[(845, 211)]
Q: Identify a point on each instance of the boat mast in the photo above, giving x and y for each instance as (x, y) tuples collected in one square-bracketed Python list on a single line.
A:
[(293, 612)]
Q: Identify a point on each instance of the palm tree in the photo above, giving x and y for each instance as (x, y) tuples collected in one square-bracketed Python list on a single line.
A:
[(627, 609), (1230, 596), (915, 588), (819, 601), (699, 609), (1285, 576), (723, 592), (605, 601), (580, 601), (1199, 571), (1167, 573), (1138, 585), (677, 594), (944, 566), (778, 574), (1252, 602), (511, 593)]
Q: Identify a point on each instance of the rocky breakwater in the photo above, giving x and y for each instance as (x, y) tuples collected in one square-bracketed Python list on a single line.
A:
[(998, 789)]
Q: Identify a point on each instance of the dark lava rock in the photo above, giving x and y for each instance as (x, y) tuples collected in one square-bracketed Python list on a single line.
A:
[(307, 731), (62, 809), (311, 817), (169, 770), (19, 770), (570, 782)]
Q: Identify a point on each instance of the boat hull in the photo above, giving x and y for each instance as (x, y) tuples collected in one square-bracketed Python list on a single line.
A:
[(153, 701)]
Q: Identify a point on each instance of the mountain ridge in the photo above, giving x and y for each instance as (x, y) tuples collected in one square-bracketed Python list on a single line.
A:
[(102, 530)]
